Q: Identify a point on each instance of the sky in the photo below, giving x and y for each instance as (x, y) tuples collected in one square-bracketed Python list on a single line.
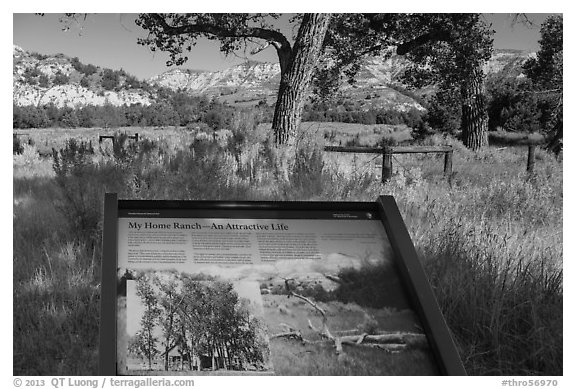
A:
[(109, 40)]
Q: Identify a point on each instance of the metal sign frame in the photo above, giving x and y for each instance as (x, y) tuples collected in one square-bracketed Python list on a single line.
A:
[(411, 271)]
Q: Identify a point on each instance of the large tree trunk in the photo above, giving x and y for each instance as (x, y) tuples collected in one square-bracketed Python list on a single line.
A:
[(556, 145), (474, 123), (296, 69)]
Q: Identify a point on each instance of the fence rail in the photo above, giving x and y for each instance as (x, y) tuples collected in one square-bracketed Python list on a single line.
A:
[(388, 151), (113, 137)]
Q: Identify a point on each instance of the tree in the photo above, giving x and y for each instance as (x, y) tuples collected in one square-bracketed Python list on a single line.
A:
[(108, 115), (443, 112), (69, 118), (546, 72), (145, 343), (29, 117), (327, 46), (176, 33), (214, 322), (455, 67), (512, 105), (169, 300), (161, 114)]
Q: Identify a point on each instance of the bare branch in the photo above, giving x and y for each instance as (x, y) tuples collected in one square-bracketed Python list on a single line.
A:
[(416, 340), (290, 334), (260, 48), (325, 330), (275, 37), (287, 327), (523, 19), (361, 338)]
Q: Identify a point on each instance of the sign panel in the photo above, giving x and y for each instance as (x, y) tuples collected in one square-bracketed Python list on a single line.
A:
[(263, 289)]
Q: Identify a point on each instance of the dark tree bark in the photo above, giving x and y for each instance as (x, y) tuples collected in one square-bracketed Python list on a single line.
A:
[(556, 144), (296, 69), (474, 122)]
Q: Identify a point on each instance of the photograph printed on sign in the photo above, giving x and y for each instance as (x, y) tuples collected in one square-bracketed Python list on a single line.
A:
[(189, 324), (284, 297)]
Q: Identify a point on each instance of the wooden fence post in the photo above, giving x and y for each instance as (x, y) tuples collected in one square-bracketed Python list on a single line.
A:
[(448, 163), (531, 158), (386, 163)]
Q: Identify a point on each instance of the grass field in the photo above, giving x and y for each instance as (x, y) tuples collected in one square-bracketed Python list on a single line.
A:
[(292, 357), (489, 236)]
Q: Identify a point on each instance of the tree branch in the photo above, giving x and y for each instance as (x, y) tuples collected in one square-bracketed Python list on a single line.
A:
[(276, 38), (325, 330), (290, 334), (429, 37)]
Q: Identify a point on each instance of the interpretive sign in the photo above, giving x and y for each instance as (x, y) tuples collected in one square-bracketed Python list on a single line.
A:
[(266, 288)]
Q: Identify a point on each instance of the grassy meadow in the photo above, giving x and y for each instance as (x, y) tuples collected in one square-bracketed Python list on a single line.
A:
[(489, 236), (317, 357)]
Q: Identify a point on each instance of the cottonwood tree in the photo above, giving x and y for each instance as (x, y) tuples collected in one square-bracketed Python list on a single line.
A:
[(145, 342), (326, 46), (177, 33), (215, 322), (169, 300), (546, 73), (454, 65)]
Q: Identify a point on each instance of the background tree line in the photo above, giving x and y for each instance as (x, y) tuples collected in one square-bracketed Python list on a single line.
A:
[(512, 105), (174, 109)]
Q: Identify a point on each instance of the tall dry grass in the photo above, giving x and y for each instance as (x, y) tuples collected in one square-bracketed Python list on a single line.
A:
[(492, 248), (490, 237)]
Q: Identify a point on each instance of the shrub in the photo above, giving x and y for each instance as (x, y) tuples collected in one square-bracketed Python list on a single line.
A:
[(82, 186), (31, 75), (38, 56), (43, 81), (84, 82), (110, 79), (207, 170), (60, 78), (307, 174), (28, 157)]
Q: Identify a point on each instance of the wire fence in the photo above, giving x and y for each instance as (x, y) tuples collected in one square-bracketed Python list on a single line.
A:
[(444, 162)]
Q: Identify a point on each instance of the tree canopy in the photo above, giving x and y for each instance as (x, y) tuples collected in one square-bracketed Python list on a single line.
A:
[(546, 69), (326, 46), (201, 318), (546, 73)]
